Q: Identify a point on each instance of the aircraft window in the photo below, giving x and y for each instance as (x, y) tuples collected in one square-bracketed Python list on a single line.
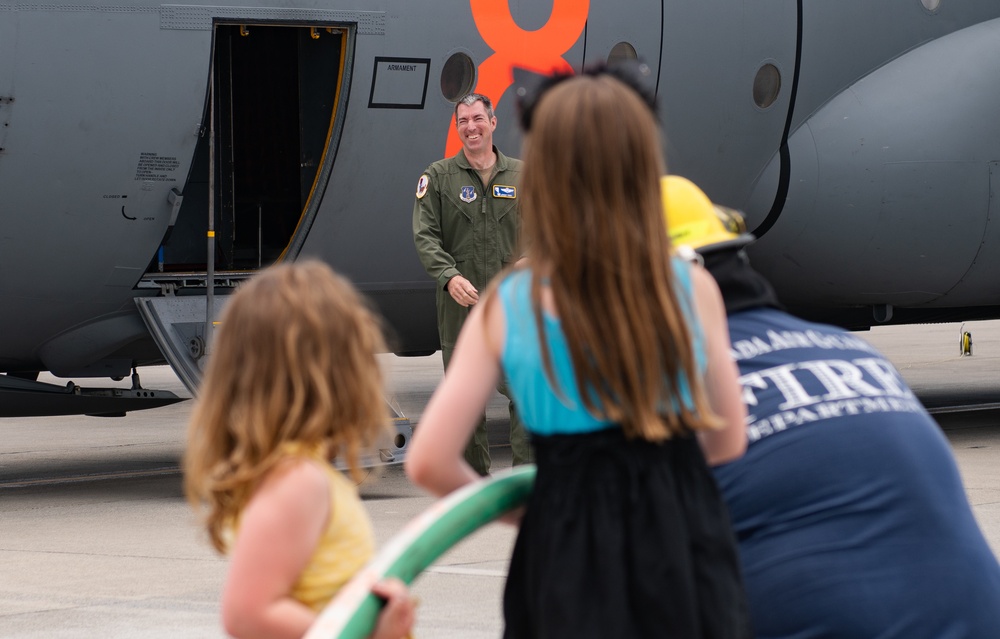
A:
[(457, 77), (931, 5), (766, 86), (621, 52)]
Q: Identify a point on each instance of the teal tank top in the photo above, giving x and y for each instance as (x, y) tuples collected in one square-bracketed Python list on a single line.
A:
[(544, 410)]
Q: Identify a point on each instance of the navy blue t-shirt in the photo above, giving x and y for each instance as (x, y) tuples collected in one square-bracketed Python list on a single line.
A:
[(849, 509)]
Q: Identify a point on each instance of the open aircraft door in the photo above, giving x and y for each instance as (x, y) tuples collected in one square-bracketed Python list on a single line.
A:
[(258, 174), (182, 327)]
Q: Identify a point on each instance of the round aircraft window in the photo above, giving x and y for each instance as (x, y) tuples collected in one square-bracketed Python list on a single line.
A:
[(766, 85), (457, 77), (931, 5), (621, 52)]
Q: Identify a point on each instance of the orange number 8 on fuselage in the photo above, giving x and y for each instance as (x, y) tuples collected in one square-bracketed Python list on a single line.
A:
[(540, 51)]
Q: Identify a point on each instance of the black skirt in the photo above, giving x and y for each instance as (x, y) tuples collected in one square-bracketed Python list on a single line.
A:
[(624, 539)]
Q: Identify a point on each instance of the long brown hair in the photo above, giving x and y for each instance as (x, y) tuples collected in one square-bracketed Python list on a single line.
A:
[(293, 362), (593, 217)]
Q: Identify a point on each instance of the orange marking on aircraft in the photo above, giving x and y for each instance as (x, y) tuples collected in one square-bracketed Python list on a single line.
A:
[(540, 51)]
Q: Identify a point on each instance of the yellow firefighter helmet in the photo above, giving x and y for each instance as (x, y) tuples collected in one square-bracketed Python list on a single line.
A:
[(693, 221)]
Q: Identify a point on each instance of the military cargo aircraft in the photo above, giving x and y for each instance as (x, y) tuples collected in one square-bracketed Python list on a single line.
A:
[(153, 156)]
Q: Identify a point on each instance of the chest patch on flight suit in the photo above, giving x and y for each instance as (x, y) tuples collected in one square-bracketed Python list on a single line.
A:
[(507, 192), (467, 194)]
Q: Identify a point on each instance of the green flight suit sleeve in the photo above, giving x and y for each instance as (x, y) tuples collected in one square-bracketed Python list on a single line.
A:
[(427, 232)]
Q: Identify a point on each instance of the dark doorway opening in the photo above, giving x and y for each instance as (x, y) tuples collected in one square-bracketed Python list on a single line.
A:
[(276, 91)]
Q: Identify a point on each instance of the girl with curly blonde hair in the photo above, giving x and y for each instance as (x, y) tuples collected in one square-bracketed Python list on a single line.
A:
[(293, 383)]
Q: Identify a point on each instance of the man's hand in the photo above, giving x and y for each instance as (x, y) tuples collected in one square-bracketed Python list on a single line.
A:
[(462, 291)]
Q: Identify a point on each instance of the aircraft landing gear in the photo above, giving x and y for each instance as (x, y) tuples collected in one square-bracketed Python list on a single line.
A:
[(135, 380)]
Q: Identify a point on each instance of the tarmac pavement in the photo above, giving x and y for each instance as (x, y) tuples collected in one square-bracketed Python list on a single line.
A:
[(96, 539)]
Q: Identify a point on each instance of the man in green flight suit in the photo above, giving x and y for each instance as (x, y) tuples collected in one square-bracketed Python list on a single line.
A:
[(465, 228)]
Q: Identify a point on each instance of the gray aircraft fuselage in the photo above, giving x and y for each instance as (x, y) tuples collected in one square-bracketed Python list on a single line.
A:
[(860, 138)]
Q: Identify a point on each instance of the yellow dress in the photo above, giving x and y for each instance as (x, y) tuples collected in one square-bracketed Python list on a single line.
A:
[(346, 545)]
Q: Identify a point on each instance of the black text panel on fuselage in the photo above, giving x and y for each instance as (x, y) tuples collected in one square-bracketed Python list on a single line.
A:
[(872, 178)]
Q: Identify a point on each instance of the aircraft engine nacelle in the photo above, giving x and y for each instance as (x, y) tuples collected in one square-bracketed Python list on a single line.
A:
[(901, 168)]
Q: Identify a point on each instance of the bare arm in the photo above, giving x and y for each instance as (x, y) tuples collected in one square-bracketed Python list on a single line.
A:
[(279, 531), (434, 460), (721, 376)]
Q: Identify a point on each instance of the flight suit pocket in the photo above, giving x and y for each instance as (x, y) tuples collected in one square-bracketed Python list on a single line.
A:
[(507, 209), (466, 209)]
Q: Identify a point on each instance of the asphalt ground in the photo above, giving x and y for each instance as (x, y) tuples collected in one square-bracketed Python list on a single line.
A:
[(97, 541)]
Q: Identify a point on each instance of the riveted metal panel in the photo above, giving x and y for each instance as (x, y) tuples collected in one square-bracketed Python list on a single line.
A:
[(178, 16), (77, 8)]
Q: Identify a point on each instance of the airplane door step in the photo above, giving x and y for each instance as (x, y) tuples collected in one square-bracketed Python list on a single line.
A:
[(177, 324)]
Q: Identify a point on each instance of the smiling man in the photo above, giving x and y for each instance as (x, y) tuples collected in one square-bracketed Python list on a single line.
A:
[(465, 228)]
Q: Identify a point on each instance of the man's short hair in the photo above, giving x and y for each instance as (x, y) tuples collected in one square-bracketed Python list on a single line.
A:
[(472, 98)]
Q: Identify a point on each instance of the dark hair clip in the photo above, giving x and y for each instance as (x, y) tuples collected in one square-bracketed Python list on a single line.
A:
[(530, 86)]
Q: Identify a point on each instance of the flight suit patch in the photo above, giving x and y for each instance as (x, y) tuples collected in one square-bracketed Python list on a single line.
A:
[(507, 192), (468, 194), (422, 184)]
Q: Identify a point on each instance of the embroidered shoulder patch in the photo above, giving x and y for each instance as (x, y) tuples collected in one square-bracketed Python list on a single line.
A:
[(422, 185)]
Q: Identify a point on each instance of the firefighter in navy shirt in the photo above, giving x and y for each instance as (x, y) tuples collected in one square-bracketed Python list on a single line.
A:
[(849, 510)]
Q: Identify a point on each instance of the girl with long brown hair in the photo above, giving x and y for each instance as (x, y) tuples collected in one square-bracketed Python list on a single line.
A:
[(618, 355), (293, 382)]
